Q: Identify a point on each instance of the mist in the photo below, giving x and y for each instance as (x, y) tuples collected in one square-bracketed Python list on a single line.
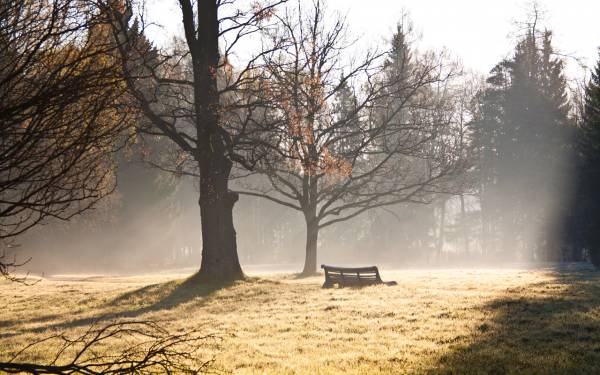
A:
[(151, 225), (509, 203), (299, 186)]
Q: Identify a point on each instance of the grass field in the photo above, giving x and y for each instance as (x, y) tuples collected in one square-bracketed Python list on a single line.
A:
[(434, 322)]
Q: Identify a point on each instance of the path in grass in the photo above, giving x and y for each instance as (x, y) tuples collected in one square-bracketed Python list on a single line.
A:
[(437, 321)]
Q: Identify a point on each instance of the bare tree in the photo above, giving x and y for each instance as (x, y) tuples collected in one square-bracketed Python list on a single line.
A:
[(350, 135), (63, 110), (149, 349), (9, 265), (189, 95)]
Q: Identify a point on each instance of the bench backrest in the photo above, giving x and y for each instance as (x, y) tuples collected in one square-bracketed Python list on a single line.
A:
[(349, 276)]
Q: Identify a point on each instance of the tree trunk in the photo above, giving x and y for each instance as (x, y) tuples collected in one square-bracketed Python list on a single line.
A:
[(220, 262), (464, 230), (312, 235), (442, 230)]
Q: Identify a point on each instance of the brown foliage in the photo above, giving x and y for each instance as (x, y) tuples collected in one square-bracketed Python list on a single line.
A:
[(63, 111)]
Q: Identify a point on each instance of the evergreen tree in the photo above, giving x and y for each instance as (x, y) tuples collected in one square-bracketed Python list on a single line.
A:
[(486, 132), (522, 134), (589, 191), (345, 110), (590, 129)]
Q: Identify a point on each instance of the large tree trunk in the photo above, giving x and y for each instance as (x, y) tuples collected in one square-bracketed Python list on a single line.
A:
[(312, 236), (220, 260)]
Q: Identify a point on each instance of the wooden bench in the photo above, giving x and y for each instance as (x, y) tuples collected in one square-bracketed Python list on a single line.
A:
[(354, 277)]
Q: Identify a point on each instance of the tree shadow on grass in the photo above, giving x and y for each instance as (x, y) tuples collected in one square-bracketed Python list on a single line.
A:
[(544, 328), (150, 298), (170, 294)]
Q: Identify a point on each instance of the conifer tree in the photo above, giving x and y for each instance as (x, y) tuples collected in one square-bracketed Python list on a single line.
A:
[(590, 144), (589, 177), (522, 135)]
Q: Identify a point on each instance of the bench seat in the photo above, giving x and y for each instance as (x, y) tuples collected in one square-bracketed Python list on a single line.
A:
[(352, 277)]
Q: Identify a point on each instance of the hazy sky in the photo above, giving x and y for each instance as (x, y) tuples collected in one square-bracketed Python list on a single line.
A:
[(479, 32)]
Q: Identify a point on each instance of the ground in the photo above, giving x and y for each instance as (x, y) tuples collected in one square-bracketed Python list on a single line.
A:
[(543, 321)]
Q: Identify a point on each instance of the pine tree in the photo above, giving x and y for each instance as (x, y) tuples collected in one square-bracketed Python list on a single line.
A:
[(522, 140), (589, 176), (346, 110), (590, 130)]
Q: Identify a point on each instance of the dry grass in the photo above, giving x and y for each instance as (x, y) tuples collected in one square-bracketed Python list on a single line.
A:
[(433, 322)]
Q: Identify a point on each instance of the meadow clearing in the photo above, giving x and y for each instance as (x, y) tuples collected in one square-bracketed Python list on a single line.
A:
[(543, 321)]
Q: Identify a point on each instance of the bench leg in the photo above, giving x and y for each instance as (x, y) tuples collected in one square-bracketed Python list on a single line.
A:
[(327, 285)]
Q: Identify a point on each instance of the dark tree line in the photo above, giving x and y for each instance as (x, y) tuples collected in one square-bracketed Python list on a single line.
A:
[(587, 204), (523, 140)]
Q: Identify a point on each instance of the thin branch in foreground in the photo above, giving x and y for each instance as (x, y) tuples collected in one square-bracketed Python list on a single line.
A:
[(8, 266), (148, 349)]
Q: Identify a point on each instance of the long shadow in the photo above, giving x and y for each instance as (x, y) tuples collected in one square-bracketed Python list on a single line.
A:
[(163, 296), (556, 331), (177, 293)]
